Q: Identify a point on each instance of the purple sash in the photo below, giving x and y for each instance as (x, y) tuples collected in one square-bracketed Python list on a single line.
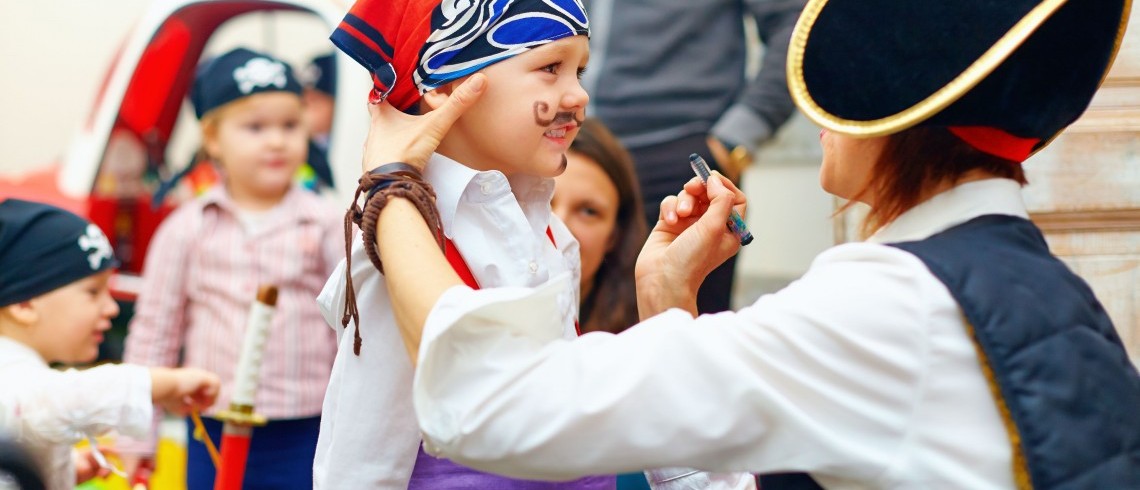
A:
[(433, 473)]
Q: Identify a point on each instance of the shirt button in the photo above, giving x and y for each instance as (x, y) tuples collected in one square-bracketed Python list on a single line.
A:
[(533, 267), (485, 188)]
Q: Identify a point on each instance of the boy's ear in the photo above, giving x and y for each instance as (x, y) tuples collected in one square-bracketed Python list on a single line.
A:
[(435, 98), (210, 145), (22, 313)]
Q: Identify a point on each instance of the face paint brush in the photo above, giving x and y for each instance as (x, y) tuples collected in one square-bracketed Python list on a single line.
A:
[(735, 222)]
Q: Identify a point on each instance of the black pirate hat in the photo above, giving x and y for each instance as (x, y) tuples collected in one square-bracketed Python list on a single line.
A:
[(239, 73), (1005, 75)]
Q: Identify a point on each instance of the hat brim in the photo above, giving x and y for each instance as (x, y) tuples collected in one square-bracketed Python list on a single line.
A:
[(893, 84)]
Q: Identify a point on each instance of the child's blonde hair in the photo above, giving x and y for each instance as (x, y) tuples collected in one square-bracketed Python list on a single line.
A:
[(210, 121)]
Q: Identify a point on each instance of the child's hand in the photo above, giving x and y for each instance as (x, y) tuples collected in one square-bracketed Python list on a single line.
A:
[(398, 137), (184, 389), (138, 468), (87, 466)]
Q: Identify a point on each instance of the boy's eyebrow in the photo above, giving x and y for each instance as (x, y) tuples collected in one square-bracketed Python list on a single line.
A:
[(564, 49)]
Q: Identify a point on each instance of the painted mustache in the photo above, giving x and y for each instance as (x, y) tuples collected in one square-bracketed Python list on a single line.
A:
[(542, 118)]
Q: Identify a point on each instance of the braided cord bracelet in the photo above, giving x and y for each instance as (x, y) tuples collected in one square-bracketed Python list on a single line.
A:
[(380, 186)]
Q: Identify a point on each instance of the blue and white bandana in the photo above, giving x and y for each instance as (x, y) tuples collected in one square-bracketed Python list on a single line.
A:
[(413, 46)]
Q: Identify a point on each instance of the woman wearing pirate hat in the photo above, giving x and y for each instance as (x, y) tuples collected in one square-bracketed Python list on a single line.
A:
[(950, 349)]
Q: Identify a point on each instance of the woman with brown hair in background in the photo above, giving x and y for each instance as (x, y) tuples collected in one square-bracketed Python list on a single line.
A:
[(599, 200)]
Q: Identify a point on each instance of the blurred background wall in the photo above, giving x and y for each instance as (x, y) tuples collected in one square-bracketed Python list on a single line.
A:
[(53, 55)]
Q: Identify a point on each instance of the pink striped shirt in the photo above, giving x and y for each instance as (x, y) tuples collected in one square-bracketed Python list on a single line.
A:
[(200, 278)]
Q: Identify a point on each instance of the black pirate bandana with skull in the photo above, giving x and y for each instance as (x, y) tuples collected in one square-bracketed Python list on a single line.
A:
[(236, 74), (43, 248)]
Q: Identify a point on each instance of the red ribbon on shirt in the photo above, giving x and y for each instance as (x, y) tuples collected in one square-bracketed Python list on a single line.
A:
[(460, 266)]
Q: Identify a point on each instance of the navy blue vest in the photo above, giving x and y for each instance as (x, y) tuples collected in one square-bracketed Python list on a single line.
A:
[(1071, 393)]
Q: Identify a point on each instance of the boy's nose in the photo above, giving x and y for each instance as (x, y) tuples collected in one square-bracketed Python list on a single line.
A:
[(576, 97), (110, 307), (277, 137)]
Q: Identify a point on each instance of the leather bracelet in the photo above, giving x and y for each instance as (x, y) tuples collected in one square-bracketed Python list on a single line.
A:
[(385, 175), (382, 183), (394, 167)]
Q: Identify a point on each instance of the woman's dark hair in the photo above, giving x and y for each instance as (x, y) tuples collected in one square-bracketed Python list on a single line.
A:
[(917, 159), (611, 305)]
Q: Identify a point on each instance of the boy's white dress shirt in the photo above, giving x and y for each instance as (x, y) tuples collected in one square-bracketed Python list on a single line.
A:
[(862, 373), (48, 410), (369, 437)]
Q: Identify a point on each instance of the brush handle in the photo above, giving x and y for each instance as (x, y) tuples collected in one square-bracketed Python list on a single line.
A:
[(735, 222)]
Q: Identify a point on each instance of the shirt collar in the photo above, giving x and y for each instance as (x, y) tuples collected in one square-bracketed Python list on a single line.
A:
[(293, 204), (955, 206), (12, 352), (453, 181)]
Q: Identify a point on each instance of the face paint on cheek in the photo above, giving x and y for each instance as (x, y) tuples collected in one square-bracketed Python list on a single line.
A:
[(541, 117)]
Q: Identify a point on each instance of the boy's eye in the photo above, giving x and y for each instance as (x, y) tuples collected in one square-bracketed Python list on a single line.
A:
[(581, 72), (254, 127), (551, 68)]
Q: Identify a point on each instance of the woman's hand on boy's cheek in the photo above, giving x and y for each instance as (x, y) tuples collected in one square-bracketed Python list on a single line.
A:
[(398, 137)]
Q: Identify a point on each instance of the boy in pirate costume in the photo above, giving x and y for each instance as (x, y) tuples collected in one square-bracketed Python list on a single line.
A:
[(951, 349), (492, 176), (55, 305)]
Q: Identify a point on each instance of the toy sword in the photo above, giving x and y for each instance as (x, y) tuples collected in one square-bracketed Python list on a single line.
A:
[(241, 418)]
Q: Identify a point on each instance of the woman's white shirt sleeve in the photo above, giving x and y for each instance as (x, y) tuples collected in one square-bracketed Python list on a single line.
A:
[(731, 391), (862, 373)]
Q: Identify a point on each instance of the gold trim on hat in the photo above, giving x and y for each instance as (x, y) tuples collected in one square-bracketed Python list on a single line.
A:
[(1125, 13), (940, 99)]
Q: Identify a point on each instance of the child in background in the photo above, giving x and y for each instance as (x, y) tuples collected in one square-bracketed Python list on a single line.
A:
[(492, 175), (209, 257), (598, 199), (55, 304), (319, 80)]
